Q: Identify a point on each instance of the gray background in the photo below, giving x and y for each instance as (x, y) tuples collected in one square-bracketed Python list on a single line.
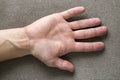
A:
[(104, 65)]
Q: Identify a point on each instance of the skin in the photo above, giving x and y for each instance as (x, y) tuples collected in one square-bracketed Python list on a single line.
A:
[(52, 37)]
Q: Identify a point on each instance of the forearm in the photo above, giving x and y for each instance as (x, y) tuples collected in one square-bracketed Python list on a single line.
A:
[(13, 43)]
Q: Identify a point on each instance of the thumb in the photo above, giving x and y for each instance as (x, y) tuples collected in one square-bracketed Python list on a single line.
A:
[(64, 65)]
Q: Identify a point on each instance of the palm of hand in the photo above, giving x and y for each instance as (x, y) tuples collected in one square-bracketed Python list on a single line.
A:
[(55, 38)]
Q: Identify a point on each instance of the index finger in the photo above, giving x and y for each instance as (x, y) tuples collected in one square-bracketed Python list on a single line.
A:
[(71, 12)]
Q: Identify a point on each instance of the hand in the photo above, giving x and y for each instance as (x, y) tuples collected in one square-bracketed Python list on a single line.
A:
[(52, 37)]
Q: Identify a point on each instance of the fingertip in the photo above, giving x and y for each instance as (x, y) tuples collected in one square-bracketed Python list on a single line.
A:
[(102, 30), (97, 21), (73, 11), (105, 28), (68, 66), (100, 46), (72, 69), (81, 8)]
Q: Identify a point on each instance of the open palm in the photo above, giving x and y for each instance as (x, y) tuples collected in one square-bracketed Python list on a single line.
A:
[(52, 37)]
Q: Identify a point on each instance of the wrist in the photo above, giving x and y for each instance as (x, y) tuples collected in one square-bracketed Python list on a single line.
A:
[(13, 43), (17, 37), (29, 45), (24, 42)]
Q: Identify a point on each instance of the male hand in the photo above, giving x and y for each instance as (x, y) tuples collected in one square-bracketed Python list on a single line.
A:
[(52, 37)]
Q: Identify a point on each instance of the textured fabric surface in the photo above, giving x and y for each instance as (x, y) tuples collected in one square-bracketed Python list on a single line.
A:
[(103, 65)]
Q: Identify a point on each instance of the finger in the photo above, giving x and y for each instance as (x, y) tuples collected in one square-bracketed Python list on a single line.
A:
[(64, 65), (90, 33), (85, 23), (71, 12), (87, 47)]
